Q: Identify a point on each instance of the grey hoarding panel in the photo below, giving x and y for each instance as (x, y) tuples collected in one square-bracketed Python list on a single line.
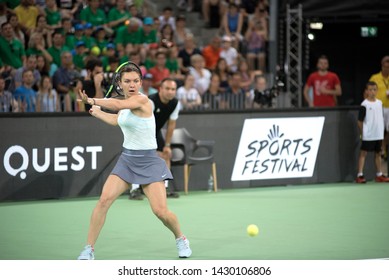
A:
[(88, 149), (55, 156)]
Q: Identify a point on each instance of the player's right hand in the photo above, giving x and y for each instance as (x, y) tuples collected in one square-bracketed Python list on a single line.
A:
[(94, 110)]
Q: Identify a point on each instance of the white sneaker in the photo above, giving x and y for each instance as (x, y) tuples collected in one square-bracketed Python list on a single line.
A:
[(183, 248), (87, 253)]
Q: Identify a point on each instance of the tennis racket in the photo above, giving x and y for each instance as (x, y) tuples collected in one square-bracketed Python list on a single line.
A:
[(116, 78)]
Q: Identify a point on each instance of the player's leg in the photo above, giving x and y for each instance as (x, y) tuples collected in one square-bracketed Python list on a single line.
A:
[(156, 194), (113, 187)]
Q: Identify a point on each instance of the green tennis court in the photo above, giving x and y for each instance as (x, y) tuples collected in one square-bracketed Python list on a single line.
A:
[(310, 222)]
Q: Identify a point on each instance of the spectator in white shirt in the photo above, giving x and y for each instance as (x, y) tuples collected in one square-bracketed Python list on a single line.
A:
[(202, 76), (229, 53), (167, 18), (188, 95)]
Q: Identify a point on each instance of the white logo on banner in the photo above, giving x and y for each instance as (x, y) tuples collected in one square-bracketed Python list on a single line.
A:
[(278, 148), (62, 160)]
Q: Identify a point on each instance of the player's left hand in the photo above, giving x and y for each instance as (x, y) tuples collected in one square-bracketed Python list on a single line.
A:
[(83, 96)]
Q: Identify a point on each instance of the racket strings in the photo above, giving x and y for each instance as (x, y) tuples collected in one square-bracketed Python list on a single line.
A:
[(128, 66)]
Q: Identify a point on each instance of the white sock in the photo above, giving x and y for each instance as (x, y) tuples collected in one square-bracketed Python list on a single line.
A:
[(379, 174), (135, 187), (360, 174)]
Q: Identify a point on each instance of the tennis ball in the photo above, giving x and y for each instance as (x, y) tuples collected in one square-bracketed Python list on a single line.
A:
[(252, 230), (95, 51)]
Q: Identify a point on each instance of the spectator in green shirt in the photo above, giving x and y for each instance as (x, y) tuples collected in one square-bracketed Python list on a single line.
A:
[(118, 15), (108, 53), (130, 34), (93, 14), (89, 40), (37, 46), (149, 34), (53, 15), (78, 36), (58, 47), (12, 51), (100, 36), (80, 55)]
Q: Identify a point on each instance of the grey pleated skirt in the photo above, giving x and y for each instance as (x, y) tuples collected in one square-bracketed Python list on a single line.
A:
[(141, 167)]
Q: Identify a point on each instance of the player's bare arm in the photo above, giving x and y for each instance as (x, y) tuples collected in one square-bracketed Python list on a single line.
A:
[(135, 102), (111, 119)]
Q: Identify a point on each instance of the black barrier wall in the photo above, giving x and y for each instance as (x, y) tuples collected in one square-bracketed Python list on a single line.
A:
[(70, 155)]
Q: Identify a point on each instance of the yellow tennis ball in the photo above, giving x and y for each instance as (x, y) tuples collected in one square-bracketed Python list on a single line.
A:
[(252, 230), (95, 51)]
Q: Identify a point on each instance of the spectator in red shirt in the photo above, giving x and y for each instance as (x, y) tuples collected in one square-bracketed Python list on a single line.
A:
[(211, 53), (159, 71), (325, 86)]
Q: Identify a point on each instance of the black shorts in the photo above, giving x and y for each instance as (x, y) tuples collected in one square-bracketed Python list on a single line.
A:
[(371, 146)]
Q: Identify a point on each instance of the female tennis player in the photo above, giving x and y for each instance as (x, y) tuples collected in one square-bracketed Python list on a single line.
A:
[(139, 162)]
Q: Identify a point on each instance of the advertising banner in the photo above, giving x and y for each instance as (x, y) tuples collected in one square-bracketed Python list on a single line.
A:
[(55, 156), (277, 148)]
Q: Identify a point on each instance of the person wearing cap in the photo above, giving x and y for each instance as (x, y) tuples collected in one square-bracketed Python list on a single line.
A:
[(149, 34), (229, 53), (147, 87), (108, 52), (93, 14), (100, 36), (382, 80), (88, 38), (79, 55), (118, 15), (72, 39)]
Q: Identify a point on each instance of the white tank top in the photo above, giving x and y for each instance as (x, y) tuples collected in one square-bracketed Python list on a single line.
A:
[(139, 133), (373, 124)]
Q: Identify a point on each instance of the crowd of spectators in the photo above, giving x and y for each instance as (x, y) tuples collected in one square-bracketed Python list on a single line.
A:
[(49, 49)]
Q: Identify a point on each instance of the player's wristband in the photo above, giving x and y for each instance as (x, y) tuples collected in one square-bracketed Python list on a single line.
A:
[(167, 145)]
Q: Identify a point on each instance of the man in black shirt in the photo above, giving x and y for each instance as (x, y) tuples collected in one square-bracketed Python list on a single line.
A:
[(166, 109), (93, 83)]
